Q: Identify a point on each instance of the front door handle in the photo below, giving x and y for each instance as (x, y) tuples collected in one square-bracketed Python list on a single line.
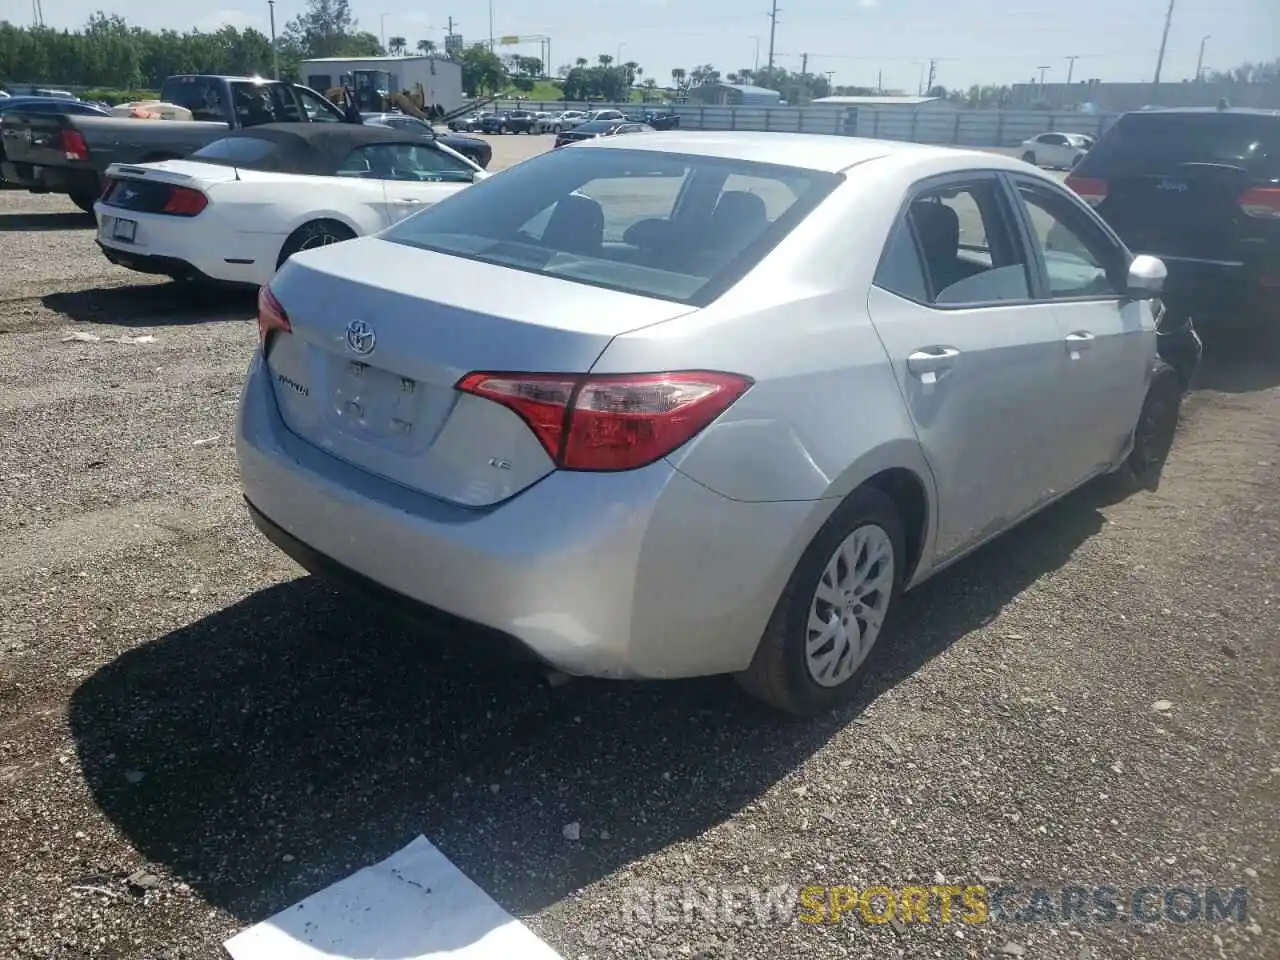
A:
[(408, 200), (1080, 340), (932, 363)]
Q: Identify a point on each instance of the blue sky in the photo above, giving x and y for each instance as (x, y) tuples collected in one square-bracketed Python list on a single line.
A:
[(974, 41)]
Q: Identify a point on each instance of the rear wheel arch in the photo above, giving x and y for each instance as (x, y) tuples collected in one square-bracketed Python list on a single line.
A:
[(911, 499), (316, 227)]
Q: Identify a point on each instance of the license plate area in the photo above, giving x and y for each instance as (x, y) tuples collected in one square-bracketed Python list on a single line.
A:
[(119, 229), (383, 408)]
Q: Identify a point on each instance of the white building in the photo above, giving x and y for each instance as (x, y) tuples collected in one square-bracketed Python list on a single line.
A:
[(441, 79)]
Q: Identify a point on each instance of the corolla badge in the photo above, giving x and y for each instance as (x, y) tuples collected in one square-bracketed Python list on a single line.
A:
[(360, 337), (1177, 185)]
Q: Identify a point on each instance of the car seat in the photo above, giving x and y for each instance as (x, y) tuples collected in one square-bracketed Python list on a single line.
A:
[(938, 229), (576, 225)]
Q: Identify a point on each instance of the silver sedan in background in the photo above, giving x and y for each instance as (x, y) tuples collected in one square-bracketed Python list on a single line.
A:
[(690, 404)]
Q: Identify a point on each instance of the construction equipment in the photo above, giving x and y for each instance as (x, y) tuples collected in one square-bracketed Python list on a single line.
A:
[(371, 92)]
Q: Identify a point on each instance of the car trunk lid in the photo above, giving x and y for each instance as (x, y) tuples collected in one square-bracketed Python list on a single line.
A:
[(382, 332)]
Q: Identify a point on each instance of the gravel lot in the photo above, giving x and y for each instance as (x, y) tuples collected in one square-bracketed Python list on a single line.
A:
[(194, 735)]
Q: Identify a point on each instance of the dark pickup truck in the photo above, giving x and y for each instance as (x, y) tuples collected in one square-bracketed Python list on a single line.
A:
[(68, 154)]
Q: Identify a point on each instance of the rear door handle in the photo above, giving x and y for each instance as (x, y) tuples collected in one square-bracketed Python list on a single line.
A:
[(932, 363), (1080, 340)]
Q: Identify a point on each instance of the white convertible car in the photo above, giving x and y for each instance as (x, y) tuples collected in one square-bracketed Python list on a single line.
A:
[(236, 209)]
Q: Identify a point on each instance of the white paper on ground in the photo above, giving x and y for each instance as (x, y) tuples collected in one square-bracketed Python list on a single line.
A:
[(414, 905)]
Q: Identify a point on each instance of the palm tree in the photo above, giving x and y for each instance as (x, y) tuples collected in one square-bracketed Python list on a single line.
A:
[(677, 76), (633, 70), (605, 60), (396, 45), (581, 63), (426, 47)]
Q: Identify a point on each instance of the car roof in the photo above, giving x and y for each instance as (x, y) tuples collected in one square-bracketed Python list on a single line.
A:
[(810, 151), (1225, 111), (314, 148)]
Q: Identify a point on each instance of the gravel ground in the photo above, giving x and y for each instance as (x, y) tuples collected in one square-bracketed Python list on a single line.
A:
[(193, 734)]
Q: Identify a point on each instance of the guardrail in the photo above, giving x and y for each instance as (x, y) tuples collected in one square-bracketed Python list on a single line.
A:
[(970, 128)]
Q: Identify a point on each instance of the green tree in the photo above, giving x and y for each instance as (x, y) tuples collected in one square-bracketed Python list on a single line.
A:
[(426, 47), (396, 46), (482, 70)]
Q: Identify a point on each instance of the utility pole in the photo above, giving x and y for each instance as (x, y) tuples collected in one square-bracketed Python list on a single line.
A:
[(1043, 71), (1071, 66), (879, 81), (804, 64), (773, 29), (1164, 40), (491, 26), (275, 50), (933, 73), (1200, 59)]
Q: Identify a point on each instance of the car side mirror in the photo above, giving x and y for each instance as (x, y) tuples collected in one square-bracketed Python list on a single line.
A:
[(1146, 277)]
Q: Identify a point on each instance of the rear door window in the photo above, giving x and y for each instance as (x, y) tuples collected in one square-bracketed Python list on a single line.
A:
[(1166, 143)]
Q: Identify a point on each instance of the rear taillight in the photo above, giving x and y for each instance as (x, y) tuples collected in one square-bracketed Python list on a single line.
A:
[(271, 316), (73, 145), (1261, 202), (185, 202), (611, 422), (1091, 191)]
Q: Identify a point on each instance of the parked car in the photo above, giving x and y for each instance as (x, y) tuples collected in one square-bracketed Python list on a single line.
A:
[(557, 122), (1201, 190), (600, 128), (239, 207), (471, 123), (473, 148), (69, 152), (569, 123), (659, 121), (507, 121), (12, 174), (1060, 151), (627, 376)]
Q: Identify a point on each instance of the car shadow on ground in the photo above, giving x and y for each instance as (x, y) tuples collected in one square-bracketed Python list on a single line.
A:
[(154, 304), (281, 743), (46, 221)]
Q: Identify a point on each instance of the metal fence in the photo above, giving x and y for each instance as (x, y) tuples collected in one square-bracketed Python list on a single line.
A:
[(970, 128)]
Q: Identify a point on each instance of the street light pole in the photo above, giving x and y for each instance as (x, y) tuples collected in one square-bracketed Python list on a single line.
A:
[(1071, 66), (755, 66), (1200, 59), (275, 50), (1164, 40), (491, 26), (773, 29)]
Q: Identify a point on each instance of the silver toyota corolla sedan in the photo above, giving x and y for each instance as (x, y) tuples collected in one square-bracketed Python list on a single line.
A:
[(695, 403)]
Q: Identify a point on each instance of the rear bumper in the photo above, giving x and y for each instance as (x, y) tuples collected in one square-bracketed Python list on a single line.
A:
[(179, 247), (39, 179), (643, 574)]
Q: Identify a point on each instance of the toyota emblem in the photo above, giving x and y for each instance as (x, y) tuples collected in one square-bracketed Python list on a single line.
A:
[(360, 337)]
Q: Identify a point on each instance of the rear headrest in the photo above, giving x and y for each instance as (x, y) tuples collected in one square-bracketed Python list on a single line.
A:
[(576, 225), (740, 208), (938, 227)]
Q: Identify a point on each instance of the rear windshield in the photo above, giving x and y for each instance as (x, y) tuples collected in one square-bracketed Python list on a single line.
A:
[(676, 227), (251, 103), (1161, 143)]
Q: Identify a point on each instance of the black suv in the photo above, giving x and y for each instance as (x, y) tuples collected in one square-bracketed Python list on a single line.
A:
[(1199, 188)]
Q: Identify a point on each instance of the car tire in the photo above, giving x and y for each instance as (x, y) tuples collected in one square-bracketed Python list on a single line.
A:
[(84, 200), (1153, 435), (1029, 157), (502, 128), (782, 674), (317, 233)]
